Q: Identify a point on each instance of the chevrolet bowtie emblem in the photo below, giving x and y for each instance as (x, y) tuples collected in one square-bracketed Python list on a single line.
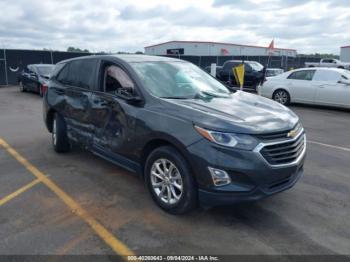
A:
[(292, 133)]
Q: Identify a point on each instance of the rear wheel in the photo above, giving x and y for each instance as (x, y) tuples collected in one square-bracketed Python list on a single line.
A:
[(60, 139), (281, 96), (170, 181)]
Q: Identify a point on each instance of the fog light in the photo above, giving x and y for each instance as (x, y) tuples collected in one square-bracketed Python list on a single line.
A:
[(220, 177)]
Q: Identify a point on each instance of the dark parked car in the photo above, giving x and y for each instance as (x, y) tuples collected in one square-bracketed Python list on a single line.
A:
[(34, 78), (254, 74), (184, 132)]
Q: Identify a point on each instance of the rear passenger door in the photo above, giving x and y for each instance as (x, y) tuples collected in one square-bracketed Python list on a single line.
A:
[(301, 87), (78, 78)]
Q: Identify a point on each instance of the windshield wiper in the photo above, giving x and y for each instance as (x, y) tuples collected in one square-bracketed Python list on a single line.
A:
[(214, 94)]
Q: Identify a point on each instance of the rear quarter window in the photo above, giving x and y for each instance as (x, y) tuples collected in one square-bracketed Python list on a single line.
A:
[(302, 75), (81, 73)]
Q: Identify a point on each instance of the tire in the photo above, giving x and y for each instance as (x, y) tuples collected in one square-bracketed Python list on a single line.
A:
[(281, 96), (60, 141), (180, 182), (21, 86), (341, 67)]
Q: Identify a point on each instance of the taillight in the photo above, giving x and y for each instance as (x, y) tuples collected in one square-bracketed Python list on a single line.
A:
[(44, 88)]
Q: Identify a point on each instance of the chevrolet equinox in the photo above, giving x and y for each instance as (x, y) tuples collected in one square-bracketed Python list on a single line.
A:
[(191, 139)]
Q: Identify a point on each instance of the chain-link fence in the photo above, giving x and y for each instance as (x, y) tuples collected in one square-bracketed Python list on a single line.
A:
[(283, 62), (13, 61)]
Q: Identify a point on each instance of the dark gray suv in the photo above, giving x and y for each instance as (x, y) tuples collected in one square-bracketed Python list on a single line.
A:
[(191, 139)]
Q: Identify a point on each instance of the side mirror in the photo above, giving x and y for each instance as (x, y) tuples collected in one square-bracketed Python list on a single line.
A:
[(129, 96), (344, 81)]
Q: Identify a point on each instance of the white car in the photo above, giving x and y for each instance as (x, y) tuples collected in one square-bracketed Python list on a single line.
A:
[(322, 86), (329, 63)]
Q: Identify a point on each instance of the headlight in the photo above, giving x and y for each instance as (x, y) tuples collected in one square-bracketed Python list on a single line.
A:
[(239, 141)]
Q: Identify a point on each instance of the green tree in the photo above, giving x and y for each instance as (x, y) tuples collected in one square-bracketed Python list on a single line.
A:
[(77, 49)]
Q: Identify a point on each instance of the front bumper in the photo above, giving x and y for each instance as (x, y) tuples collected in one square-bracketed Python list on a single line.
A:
[(252, 177)]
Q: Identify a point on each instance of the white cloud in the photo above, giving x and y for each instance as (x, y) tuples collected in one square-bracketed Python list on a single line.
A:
[(308, 26)]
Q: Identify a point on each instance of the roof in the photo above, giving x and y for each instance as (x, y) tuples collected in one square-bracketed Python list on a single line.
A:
[(341, 70), (128, 58), (42, 64), (217, 43), (346, 46)]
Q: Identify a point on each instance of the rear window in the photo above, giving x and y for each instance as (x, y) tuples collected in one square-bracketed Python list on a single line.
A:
[(302, 75)]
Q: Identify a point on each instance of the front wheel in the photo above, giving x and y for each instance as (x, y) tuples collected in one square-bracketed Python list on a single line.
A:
[(170, 181), (60, 139), (282, 97)]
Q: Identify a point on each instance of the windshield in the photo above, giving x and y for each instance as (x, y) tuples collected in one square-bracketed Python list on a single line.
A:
[(45, 70), (178, 80), (256, 66)]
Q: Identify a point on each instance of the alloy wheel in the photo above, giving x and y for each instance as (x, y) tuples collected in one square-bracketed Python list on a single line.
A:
[(281, 97), (166, 181)]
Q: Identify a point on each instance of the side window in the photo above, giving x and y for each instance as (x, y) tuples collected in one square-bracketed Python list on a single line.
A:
[(62, 76), (57, 69), (247, 67), (81, 73), (116, 80), (327, 75), (302, 75)]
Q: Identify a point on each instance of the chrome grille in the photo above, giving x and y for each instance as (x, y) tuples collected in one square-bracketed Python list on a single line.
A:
[(284, 152)]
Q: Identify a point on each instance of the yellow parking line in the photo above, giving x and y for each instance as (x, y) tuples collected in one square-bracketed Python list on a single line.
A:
[(18, 192), (118, 246)]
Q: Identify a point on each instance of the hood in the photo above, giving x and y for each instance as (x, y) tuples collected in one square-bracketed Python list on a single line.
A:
[(241, 113)]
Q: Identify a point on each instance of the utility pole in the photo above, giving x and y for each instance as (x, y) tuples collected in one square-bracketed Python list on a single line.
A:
[(5, 65)]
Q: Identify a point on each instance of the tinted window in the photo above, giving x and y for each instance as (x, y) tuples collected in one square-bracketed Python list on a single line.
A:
[(57, 69), (228, 66), (81, 73), (302, 75), (63, 75), (327, 75)]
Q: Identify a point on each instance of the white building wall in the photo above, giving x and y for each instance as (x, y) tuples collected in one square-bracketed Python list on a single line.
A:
[(345, 54), (215, 49)]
